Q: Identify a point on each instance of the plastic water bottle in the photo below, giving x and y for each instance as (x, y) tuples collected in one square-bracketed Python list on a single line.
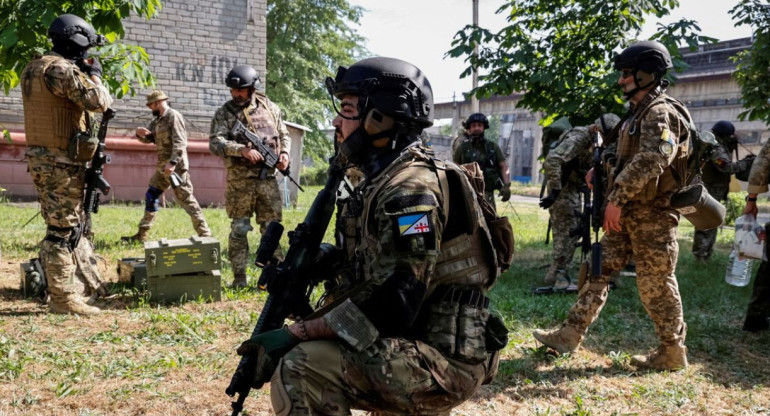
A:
[(738, 269)]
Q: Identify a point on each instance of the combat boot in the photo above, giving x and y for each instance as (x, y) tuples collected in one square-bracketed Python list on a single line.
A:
[(565, 340), (140, 236), (72, 306), (756, 323), (666, 357), (239, 281)]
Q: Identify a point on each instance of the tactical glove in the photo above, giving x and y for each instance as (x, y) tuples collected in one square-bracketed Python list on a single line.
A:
[(91, 66), (267, 348), (505, 193), (546, 202)]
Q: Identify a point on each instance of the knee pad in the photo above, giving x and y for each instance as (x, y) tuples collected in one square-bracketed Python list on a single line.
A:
[(240, 227), (279, 396), (151, 199)]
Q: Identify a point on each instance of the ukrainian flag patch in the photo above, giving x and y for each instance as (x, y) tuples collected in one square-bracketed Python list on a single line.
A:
[(414, 224)]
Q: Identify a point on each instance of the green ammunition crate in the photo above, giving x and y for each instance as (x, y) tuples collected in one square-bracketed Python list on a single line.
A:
[(184, 256), (132, 270), (183, 287)]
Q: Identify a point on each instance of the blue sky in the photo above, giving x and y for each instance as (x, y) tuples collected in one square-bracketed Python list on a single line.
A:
[(421, 31)]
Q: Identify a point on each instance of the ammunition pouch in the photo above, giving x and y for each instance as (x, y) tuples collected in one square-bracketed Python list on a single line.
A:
[(459, 325), (82, 146), (699, 207)]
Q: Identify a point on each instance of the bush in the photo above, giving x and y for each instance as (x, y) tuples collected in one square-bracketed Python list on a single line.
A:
[(313, 176), (735, 203)]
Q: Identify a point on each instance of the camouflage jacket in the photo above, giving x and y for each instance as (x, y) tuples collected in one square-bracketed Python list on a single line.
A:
[(719, 165), (170, 137), (567, 164), (488, 156), (650, 141), (222, 144), (760, 170)]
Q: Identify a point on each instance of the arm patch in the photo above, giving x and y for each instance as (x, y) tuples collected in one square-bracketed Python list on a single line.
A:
[(411, 203)]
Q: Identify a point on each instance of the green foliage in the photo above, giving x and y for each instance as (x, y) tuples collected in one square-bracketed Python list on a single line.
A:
[(751, 74), (560, 52), (735, 203), (306, 41), (314, 176), (23, 35)]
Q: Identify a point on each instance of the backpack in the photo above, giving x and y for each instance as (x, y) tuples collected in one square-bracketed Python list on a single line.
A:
[(479, 214)]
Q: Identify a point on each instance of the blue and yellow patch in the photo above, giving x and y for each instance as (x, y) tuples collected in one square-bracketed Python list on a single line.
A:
[(414, 224), (667, 144)]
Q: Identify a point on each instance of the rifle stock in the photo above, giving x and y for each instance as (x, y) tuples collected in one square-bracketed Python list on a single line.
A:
[(93, 177), (290, 282), (271, 159)]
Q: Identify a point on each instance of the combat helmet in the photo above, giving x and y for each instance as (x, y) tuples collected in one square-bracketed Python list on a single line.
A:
[(607, 122), (242, 76), (476, 118), (723, 128), (648, 62), (72, 36)]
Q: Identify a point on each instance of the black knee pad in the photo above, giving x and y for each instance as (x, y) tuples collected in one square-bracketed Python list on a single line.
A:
[(152, 199)]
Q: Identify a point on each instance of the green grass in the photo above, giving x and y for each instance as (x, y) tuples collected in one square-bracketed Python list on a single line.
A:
[(146, 358)]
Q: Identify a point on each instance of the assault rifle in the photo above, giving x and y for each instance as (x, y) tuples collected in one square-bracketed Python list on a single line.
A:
[(271, 159), (597, 203), (93, 179), (290, 282)]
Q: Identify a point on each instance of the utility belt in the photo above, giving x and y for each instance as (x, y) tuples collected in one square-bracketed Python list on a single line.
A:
[(71, 241), (460, 326)]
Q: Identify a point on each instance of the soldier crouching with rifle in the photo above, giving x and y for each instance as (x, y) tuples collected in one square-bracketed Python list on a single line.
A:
[(369, 345), (60, 91), (638, 218), (251, 186)]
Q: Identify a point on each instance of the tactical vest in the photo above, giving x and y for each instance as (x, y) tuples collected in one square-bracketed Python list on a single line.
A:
[(467, 256), (262, 121), (487, 160), (667, 183), (49, 120)]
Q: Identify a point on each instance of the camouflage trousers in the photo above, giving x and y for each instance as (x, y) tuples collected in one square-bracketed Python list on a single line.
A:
[(60, 192), (245, 198), (703, 241), (649, 236), (759, 304), (184, 197), (325, 377), (563, 220)]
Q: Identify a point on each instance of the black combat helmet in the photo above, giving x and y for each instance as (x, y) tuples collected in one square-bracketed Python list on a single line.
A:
[(476, 118), (242, 76), (648, 56), (72, 36), (394, 87), (723, 128)]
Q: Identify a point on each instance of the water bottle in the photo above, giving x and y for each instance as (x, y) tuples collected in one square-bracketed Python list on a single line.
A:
[(738, 269)]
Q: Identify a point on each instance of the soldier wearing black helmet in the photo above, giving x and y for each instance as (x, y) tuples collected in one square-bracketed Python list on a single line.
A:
[(476, 148), (61, 90), (638, 219), (717, 168), (345, 359), (249, 192)]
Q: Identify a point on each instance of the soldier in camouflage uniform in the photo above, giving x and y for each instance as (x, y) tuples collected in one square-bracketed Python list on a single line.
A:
[(167, 131), (565, 169), (251, 187), (759, 304), (716, 178), (60, 90), (369, 349), (638, 219), (476, 148)]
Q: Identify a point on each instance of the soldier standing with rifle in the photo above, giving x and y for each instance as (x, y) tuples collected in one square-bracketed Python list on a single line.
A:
[(638, 218), (60, 91), (565, 169), (167, 131), (251, 186), (369, 346)]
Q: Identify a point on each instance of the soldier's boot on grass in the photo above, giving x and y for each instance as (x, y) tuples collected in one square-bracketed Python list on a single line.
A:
[(666, 357), (565, 340), (140, 236), (72, 305), (239, 281), (756, 323)]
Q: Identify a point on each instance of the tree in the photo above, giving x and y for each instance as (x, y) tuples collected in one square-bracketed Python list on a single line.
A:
[(752, 72), (306, 41), (23, 35), (559, 53)]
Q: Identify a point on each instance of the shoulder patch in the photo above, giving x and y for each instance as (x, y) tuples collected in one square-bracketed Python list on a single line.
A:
[(414, 224)]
